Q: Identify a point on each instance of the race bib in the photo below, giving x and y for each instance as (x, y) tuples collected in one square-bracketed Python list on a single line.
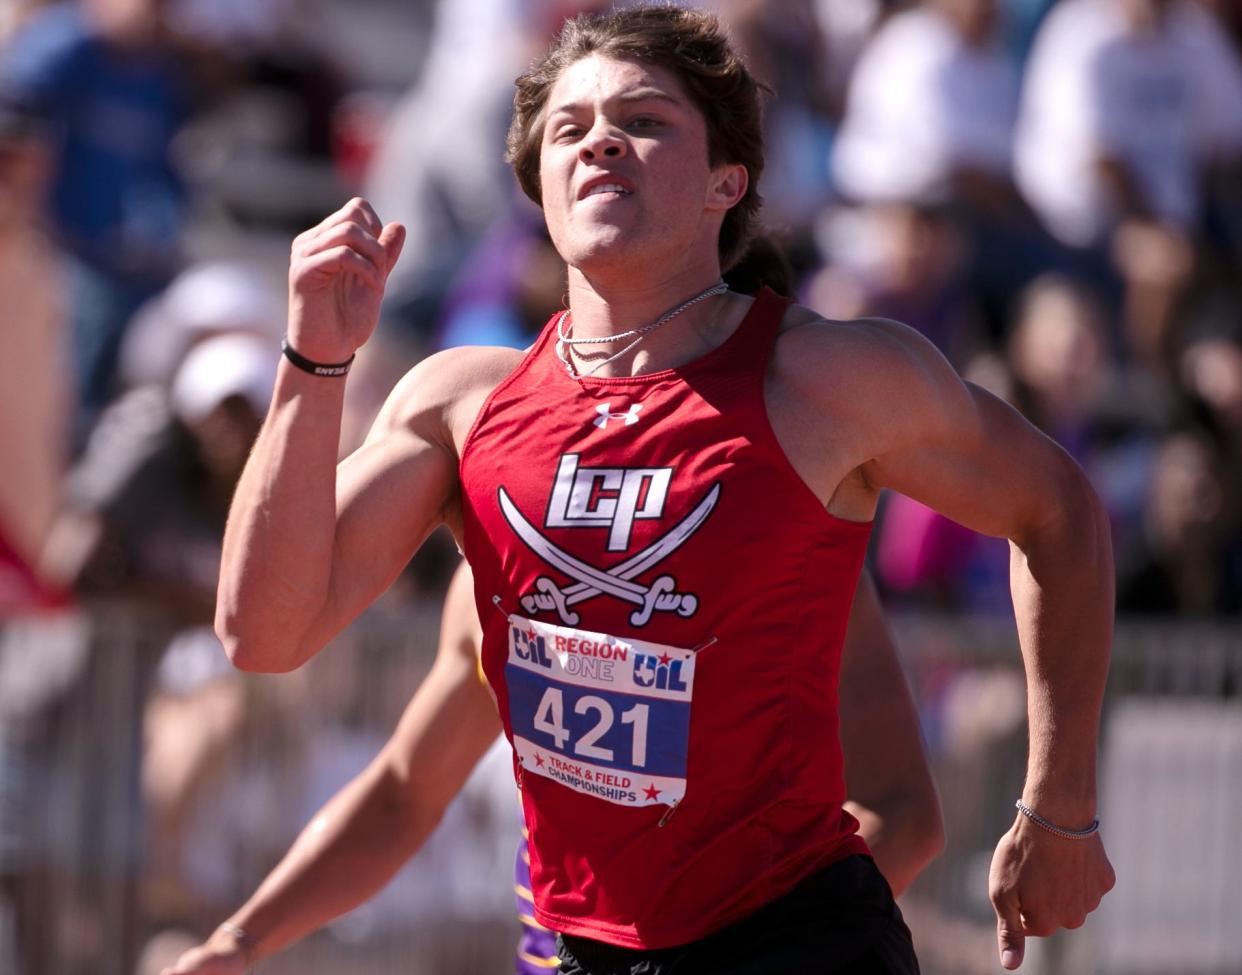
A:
[(603, 716)]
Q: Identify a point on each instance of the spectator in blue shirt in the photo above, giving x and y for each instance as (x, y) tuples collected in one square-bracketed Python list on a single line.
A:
[(105, 78)]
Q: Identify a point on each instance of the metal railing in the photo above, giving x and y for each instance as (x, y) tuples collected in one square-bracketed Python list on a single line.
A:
[(145, 790)]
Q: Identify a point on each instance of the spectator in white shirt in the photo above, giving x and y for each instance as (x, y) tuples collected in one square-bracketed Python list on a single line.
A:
[(931, 106), (1126, 104), (929, 120)]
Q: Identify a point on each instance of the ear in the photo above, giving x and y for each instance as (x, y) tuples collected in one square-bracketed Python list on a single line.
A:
[(726, 186)]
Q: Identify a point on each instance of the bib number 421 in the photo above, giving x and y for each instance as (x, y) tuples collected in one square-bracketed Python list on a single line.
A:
[(549, 718)]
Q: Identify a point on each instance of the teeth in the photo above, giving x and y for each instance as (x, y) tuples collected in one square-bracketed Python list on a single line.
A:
[(607, 188)]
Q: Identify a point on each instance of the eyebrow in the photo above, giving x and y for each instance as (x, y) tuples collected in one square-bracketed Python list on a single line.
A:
[(633, 95)]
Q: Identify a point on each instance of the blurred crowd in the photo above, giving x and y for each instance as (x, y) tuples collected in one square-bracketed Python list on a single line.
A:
[(1049, 190)]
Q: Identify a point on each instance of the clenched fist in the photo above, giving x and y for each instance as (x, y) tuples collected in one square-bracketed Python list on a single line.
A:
[(337, 273), (218, 955), (1040, 882)]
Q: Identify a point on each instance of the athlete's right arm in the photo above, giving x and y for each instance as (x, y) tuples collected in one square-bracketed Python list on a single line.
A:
[(352, 846), (307, 547)]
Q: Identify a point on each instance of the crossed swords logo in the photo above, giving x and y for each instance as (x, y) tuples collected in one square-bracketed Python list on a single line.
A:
[(618, 581)]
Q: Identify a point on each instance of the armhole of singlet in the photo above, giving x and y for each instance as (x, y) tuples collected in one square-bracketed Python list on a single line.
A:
[(518, 371), (762, 344)]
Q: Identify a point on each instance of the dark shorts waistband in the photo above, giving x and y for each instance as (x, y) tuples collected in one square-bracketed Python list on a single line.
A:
[(842, 920)]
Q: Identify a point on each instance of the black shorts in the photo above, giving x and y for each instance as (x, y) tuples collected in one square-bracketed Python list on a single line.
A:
[(840, 921)]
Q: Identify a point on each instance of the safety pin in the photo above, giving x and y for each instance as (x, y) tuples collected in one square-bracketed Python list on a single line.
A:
[(705, 644)]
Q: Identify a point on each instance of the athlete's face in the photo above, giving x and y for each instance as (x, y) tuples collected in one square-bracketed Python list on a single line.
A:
[(624, 171)]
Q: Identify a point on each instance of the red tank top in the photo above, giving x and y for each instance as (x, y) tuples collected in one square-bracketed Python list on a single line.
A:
[(663, 603)]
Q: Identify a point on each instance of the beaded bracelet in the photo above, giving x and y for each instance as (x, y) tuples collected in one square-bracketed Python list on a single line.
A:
[(1069, 834)]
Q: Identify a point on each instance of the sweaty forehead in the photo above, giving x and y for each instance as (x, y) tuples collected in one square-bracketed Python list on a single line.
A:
[(597, 79)]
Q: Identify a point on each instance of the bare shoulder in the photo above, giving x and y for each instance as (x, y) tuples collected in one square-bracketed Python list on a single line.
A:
[(440, 397), (807, 337), (873, 371)]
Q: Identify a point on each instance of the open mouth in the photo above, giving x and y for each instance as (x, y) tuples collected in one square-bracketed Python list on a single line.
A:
[(608, 186), (606, 189)]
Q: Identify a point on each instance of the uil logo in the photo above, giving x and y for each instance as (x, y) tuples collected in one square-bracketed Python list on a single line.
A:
[(529, 645), (663, 673)]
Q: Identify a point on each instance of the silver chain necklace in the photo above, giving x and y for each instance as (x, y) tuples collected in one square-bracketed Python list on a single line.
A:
[(565, 341)]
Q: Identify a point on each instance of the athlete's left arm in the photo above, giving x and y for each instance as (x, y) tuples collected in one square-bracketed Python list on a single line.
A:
[(918, 429), (887, 778)]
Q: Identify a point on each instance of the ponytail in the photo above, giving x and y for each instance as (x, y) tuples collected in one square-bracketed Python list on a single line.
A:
[(762, 264)]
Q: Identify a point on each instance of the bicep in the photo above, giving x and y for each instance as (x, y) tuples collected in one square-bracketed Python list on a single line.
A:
[(977, 461), (391, 494), (402, 483)]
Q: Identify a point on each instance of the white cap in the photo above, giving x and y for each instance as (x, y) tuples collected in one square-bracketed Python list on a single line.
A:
[(235, 364), (206, 298)]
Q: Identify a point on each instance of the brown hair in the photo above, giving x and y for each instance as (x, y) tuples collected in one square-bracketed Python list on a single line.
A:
[(693, 46), (762, 265)]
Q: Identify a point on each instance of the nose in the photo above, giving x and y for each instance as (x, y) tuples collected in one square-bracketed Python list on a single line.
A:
[(603, 141)]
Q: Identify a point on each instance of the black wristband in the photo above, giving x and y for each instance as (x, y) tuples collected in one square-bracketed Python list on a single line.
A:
[(333, 369)]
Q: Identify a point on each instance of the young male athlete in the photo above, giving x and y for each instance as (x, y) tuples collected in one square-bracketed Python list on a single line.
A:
[(368, 830), (665, 504)]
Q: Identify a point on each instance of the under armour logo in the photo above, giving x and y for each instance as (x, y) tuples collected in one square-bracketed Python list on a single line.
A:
[(629, 417)]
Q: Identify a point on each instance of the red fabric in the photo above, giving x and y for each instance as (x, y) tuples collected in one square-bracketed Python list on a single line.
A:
[(22, 592), (772, 575)]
